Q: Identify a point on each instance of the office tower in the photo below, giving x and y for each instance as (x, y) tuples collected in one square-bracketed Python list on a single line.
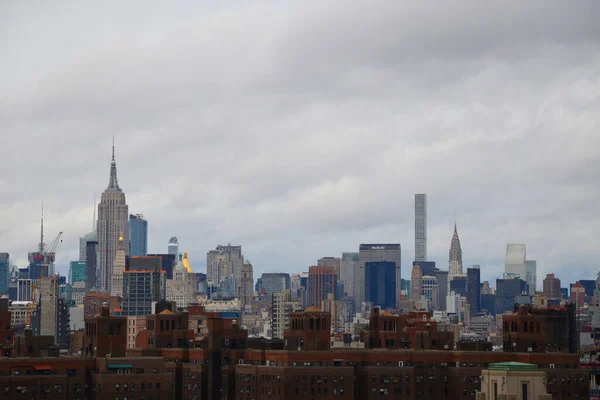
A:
[(508, 292), (247, 285), (321, 282), (380, 283), (180, 288), (442, 281), (138, 235), (485, 288), (474, 289), (531, 275), (223, 262), (552, 287), (455, 256), (116, 288), (173, 246), (49, 306), (458, 285), (4, 272), (273, 282), (430, 291), (113, 214), (144, 284), (416, 283), (420, 227), (374, 253), (348, 265), (488, 303), (168, 263), (516, 262), (77, 272), (427, 267), (91, 265), (283, 305), (330, 262), (83, 241), (24, 290)]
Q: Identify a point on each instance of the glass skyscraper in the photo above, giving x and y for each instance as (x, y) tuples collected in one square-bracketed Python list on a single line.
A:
[(138, 235), (380, 283), (4, 272)]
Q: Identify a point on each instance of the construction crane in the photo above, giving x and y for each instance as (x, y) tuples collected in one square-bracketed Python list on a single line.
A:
[(48, 256)]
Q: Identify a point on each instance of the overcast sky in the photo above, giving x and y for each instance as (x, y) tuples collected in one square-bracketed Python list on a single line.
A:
[(301, 129)]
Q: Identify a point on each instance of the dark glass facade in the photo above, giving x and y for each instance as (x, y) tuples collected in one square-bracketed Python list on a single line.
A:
[(380, 283), (458, 285), (474, 290)]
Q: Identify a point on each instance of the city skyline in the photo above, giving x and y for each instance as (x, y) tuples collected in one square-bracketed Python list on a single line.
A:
[(303, 182)]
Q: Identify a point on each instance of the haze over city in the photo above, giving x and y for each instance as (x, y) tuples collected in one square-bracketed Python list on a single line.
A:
[(301, 130)]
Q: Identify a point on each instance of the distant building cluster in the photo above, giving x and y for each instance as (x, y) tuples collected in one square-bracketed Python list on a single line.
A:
[(317, 333)]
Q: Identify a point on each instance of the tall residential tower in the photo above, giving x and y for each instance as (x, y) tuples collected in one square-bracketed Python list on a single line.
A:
[(420, 227), (113, 214)]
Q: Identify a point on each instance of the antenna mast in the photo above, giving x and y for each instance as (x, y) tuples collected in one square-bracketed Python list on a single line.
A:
[(42, 230)]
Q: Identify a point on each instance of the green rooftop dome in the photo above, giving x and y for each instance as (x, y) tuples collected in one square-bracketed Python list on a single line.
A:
[(512, 366)]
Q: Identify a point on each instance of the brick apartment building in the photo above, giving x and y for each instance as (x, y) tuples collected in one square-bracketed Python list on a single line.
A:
[(226, 364)]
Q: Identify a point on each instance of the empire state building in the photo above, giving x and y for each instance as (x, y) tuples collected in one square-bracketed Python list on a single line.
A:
[(113, 214)]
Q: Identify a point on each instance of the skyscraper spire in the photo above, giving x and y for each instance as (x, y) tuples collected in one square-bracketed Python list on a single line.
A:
[(455, 254), (113, 184)]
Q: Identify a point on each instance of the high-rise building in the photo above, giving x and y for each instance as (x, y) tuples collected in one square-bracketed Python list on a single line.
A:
[(283, 305), (91, 265), (24, 289), (330, 262), (273, 282), (118, 268), (374, 253), (531, 275), (442, 281), (474, 289), (420, 227), (349, 263), (77, 272), (138, 235), (416, 283), (508, 291), (455, 256), (144, 284), (246, 285), (552, 287), (180, 289), (380, 283), (83, 241), (4, 272), (458, 285), (173, 246), (516, 262), (168, 263), (49, 306), (225, 262), (321, 282), (430, 291), (113, 222)]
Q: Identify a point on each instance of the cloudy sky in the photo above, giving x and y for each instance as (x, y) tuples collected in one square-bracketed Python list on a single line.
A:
[(301, 129)]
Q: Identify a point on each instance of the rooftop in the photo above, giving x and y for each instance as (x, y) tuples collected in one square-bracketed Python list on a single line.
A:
[(512, 366)]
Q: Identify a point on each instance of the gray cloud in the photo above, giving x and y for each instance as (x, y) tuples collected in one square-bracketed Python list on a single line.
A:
[(301, 130)]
